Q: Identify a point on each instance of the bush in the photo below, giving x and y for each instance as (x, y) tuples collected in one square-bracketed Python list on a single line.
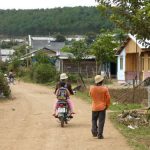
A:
[(43, 73), (3, 66), (25, 74), (73, 77), (4, 87)]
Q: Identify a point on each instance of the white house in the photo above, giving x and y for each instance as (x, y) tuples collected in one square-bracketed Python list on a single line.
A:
[(5, 54), (121, 59)]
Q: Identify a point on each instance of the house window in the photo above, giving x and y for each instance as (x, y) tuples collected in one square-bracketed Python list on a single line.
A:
[(149, 63), (121, 63), (142, 63)]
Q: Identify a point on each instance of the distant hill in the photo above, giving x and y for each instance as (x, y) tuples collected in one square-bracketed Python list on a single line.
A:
[(67, 20)]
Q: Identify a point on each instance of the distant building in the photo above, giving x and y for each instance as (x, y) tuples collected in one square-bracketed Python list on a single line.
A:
[(37, 43), (5, 54), (15, 40), (75, 38)]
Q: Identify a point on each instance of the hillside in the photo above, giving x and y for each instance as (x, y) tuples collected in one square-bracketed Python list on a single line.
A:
[(76, 20)]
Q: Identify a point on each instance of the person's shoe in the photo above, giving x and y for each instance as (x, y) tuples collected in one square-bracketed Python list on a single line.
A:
[(70, 116), (94, 134), (100, 137), (56, 116)]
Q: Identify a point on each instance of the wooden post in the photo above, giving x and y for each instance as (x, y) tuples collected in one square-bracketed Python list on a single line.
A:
[(96, 67), (148, 90), (133, 90), (82, 80)]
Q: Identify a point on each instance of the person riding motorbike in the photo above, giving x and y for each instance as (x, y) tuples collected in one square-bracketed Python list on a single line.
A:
[(63, 78), (62, 94), (11, 77), (67, 85)]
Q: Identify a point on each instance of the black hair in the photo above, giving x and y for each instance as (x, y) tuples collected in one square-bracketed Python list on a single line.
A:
[(62, 84)]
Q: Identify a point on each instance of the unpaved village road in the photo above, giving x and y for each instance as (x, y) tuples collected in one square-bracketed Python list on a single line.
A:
[(26, 123)]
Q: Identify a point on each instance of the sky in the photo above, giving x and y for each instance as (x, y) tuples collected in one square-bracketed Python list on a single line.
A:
[(34, 4)]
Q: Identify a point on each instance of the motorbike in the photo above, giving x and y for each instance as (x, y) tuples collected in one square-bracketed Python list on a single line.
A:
[(63, 113)]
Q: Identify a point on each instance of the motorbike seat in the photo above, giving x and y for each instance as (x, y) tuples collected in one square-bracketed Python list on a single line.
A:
[(62, 102)]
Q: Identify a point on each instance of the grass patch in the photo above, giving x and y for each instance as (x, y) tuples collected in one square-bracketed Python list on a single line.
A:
[(3, 99), (84, 95), (121, 107), (117, 107), (138, 138)]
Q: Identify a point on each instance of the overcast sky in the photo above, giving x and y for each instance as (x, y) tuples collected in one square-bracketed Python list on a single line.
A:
[(33, 4)]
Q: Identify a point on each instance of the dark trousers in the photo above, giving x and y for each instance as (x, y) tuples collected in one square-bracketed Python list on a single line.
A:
[(98, 121)]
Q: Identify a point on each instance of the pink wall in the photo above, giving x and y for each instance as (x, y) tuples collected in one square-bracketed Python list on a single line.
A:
[(146, 74), (130, 75)]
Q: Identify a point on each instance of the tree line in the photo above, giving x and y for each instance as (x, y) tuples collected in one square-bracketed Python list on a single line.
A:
[(67, 20)]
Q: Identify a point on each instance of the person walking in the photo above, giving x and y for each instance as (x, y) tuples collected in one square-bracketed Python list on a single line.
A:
[(100, 102)]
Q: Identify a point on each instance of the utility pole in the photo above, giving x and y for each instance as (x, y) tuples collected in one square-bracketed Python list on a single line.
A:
[(148, 89), (0, 55), (27, 48)]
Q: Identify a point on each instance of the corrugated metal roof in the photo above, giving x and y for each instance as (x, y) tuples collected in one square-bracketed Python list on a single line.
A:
[(143, 44)]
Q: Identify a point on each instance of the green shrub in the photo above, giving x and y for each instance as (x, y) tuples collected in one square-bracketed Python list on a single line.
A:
[(43, 73), (73, 77), (3, 66), (4, 87), (25, 74)]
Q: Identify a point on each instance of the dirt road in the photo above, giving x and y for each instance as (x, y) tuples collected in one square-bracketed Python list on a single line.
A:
[(26, 123)]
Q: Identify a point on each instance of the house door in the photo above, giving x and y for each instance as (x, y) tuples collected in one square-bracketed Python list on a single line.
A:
[(121, 68), (113, 69)]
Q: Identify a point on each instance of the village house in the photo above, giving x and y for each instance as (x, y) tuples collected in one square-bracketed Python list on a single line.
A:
[(5, 54), (62, 60), (37, 43), (133, 60)]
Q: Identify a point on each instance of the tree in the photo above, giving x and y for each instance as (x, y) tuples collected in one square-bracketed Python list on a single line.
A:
[(66, 21), (60, 38), (131, 15), (15, 61), (43, 73), (14, 64), (42, 58), (79, 50), (90, 37), (103, 50), (4, 87), (20, 50), (119, 35), (3, 66)]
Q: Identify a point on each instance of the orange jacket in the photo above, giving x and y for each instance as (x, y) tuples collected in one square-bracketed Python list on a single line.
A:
[(100, 97)]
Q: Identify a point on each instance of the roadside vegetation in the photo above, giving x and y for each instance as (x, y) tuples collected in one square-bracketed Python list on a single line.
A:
[(138, 138), (115, 106), (4, 87)]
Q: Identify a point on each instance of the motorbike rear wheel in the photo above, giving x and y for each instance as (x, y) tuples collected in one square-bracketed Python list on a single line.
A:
[(62, 121)]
